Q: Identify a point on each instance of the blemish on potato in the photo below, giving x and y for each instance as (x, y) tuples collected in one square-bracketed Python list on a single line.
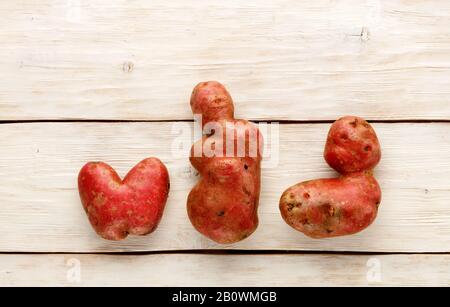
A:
[(290, 197), (305, 221), (246, 191), (290, 206), (331, 211), (114, 184), (99, 200)]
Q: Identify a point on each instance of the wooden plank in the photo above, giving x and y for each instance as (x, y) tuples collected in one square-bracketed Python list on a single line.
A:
[(225, 270), (281, 59), (41, 211)]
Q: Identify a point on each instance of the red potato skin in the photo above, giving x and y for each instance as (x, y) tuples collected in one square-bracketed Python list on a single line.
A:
[(341, 206), (352, 146), (332, 207), (117, 208), (223, 205)]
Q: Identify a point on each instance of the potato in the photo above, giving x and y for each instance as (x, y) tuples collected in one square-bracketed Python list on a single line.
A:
[(117, 208), (212, 101), (352, 146), (340, 206), (223, 205), (332, 207)]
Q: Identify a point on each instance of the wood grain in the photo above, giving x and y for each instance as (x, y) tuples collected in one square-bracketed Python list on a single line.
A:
[(41, 211), (225, 270), (281, 59)]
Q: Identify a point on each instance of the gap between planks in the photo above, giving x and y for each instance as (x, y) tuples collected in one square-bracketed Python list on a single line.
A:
[(228, 252), (381, 121)]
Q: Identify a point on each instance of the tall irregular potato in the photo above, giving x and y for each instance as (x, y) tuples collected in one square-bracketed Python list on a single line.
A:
[(223, 205), (341, 206), (118, 207)]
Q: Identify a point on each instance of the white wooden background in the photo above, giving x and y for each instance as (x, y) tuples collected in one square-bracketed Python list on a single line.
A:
[(108, 80)]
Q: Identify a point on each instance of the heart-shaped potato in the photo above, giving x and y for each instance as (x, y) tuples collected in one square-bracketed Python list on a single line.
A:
[(118, 207)]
